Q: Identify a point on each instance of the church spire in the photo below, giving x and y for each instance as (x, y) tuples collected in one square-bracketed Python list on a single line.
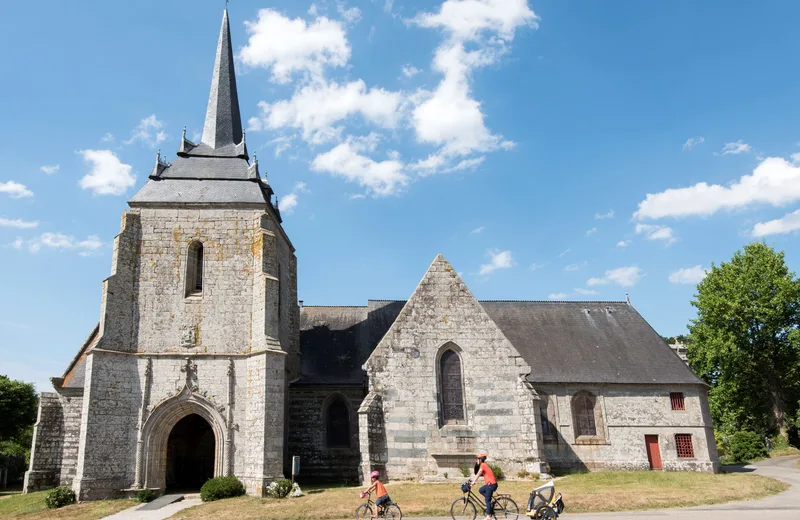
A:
[(223, 126)]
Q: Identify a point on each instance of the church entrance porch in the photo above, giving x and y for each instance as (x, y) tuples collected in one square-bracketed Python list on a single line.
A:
[(190, 454)]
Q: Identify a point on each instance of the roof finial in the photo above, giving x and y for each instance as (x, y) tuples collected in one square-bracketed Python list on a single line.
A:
[(255, 159), (276, 202), (158, 155), (627, 298), (183, 136)]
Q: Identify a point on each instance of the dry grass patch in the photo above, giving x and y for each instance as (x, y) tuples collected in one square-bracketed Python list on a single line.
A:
[(589, 492), (31, 507)]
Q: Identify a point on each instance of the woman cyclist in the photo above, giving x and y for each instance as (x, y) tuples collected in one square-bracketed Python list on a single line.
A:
[(489, 482)]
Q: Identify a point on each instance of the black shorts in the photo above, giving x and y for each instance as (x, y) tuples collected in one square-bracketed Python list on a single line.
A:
[(382, 501)]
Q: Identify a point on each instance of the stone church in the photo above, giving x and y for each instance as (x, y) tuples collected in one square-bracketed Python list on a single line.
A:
[(204, 363)]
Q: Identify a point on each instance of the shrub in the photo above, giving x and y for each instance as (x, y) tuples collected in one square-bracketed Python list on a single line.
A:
[(60, 497), (744, 446), (722, 443), (218, 488), (523, 473), (498, 471), (465, 471), (280, 488), (145, 495)]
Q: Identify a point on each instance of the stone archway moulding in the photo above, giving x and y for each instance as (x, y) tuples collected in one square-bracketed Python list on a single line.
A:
[(159, 424)]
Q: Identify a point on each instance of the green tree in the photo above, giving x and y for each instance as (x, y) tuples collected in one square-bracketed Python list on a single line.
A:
[(745, 342), (18, 403)]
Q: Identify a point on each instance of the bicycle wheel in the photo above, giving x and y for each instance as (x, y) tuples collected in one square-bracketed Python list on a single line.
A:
[(392, 512), (463, 509), (505, 509), (364, 512), (546, 513)]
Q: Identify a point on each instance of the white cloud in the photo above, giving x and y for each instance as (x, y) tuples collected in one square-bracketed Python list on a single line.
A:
[(289, 202), (585, 292), (692, 142), (574, 267), (17, 244), (17, 223), (60, 241), (623, 243), (387, 6), (557, 296), (108, 175), (469, 19), (345, 160), (688, 275), (477, 230), (410, 71), (50, 170), (591, 231), (564, 252), (624, 276), (315, 109), (350, 15), (734, 148), (15, 190), (786, 224), (535, 267), (653, 232), (438, 163), (602, 216), (288, 46), (149, 131), (774, 181), (498, 260), (108, 138)]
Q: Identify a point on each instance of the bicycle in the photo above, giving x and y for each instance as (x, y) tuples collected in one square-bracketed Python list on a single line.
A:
[(390, 511), (467, 507)]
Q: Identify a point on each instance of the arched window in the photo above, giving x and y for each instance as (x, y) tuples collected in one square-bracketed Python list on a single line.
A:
[(338, 424), (194, 269), (452, 388), (547, 416), (586, 415)]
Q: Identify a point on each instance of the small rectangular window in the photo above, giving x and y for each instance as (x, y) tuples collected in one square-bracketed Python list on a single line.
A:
[(683, 445), (676, 398)]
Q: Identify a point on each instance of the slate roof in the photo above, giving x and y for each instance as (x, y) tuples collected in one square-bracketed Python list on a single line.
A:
[(564, 342), (75, 374), (200, 192)]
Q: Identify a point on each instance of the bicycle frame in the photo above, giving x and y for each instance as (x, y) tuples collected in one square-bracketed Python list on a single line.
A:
[(479, 502)]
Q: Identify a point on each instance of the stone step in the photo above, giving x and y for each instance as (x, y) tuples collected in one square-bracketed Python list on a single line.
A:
[(163, 500)]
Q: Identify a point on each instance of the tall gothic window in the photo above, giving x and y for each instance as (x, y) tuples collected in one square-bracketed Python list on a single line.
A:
[(338, 424), (547, 415), (584, 412), (194, 269), (452, 388)]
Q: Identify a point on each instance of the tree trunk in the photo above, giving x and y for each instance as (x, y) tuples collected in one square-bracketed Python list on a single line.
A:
[(778, 409)]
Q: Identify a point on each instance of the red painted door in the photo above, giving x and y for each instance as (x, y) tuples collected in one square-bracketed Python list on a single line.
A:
[(653, 451)]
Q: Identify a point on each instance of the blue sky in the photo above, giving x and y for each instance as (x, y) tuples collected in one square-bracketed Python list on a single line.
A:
[(549, 149)]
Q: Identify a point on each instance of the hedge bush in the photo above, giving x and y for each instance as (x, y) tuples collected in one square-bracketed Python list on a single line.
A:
[(744, 446), (218, 488), (60, 497), (145, 495), (280, 488), (498, 471)]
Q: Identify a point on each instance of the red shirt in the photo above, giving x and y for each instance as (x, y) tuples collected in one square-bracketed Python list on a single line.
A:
[(379, 489), (488, 474)]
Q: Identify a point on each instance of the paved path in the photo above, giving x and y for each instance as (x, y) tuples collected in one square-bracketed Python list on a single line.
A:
[(159, 514)]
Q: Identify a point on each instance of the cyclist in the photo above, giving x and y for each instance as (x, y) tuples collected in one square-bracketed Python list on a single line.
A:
[(489, 482), (382, 497)]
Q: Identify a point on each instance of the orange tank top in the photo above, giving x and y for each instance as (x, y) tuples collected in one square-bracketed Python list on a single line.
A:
[(488, 474), (379, 489)]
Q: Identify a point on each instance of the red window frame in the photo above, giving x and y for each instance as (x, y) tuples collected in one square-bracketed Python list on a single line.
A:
[(676, 399), (683, 445)]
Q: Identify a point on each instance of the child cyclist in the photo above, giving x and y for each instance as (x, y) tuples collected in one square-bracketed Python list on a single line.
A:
[(381, 496), (489, 482)]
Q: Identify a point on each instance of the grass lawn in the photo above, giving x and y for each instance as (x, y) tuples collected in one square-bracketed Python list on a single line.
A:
[(588, 492), (31, 507)]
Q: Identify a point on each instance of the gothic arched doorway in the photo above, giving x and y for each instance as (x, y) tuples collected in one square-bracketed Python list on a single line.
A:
[(191, 449)]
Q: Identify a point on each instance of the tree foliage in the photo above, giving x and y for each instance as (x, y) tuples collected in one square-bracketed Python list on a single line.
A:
[(18, 402), (745, 342)]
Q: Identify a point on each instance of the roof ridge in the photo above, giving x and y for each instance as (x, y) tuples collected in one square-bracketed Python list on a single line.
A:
[(553, 301)]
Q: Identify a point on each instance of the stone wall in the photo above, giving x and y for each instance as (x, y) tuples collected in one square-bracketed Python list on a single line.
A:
[(629, 412), (48, 444), (308, 429), (403, 370)]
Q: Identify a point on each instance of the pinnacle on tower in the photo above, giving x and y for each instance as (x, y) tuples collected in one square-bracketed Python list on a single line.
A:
[(223, 126)]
